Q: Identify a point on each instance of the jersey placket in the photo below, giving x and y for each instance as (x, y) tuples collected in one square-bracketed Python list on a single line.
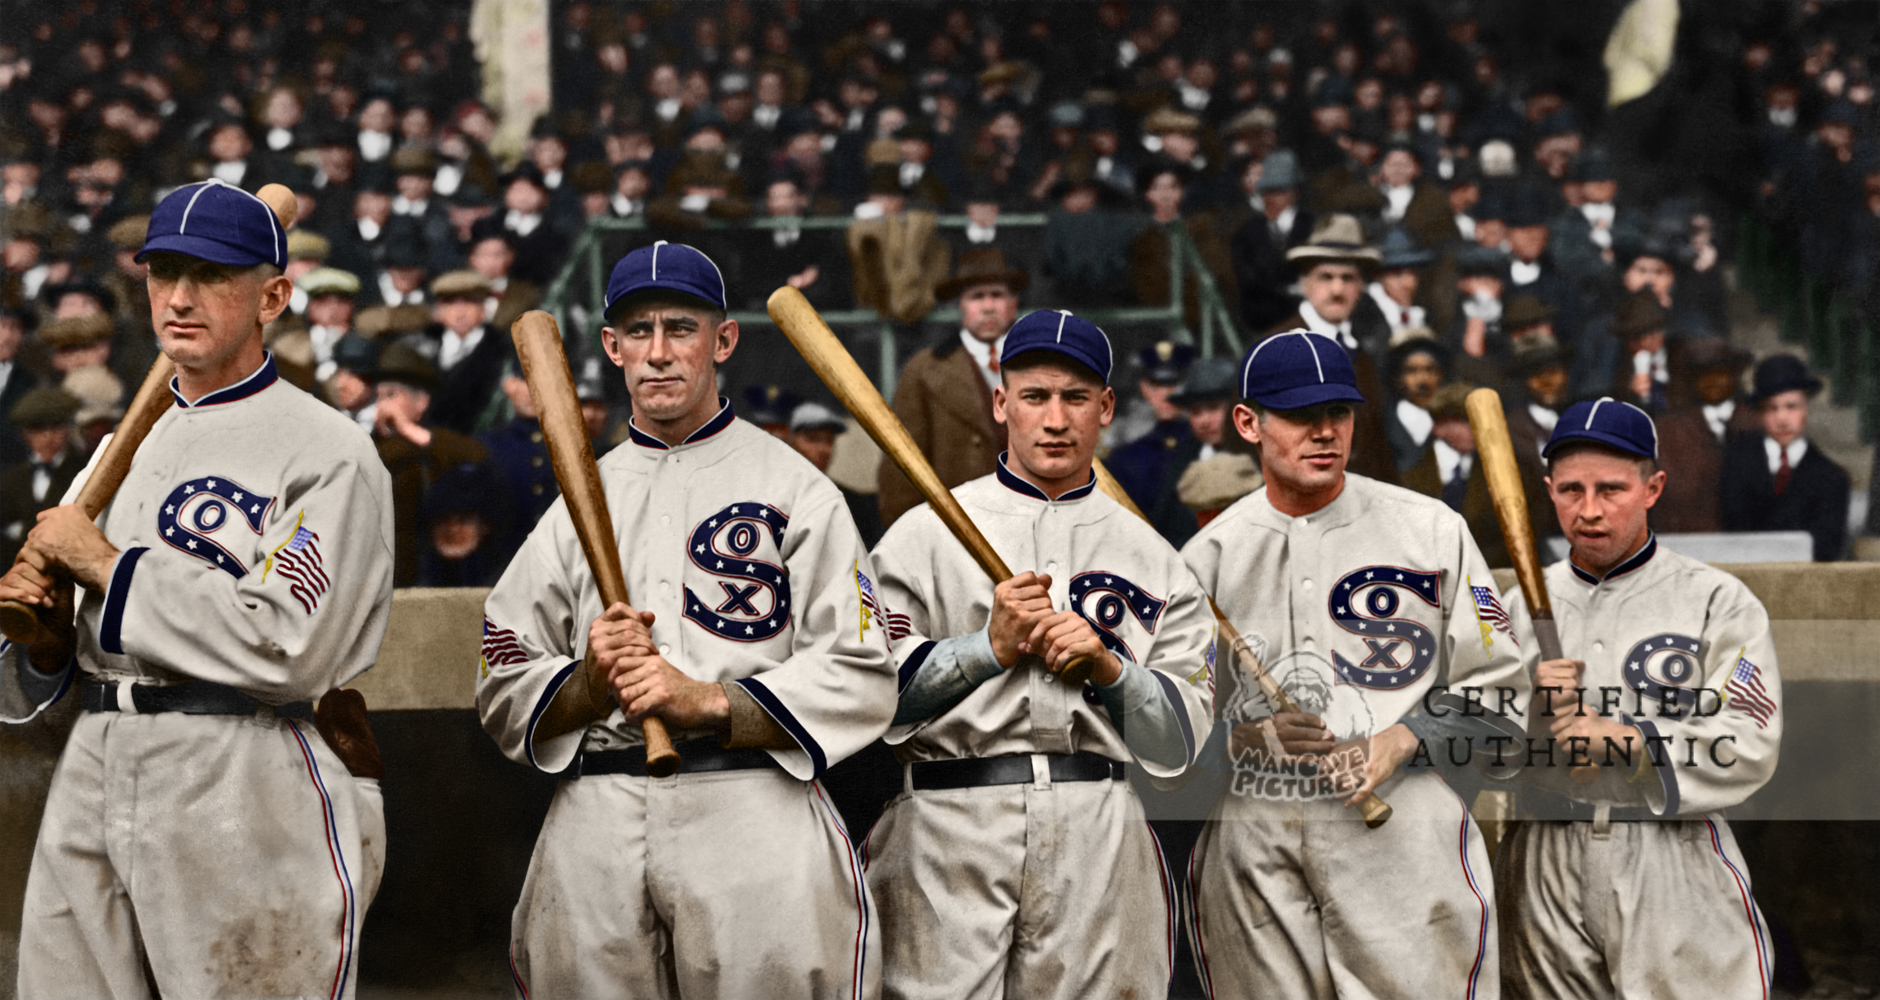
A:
[(1050, 540)]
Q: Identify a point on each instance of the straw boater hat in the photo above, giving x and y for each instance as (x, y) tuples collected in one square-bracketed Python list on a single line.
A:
[(1337, 239), (76, 331), (464, 284)]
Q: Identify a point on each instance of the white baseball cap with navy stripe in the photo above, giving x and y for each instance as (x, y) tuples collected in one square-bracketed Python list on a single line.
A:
[(216, 222), (670, 267)]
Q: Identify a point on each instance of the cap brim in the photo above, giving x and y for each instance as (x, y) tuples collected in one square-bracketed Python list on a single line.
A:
[(201, 247), (1310, 395), (1594, 437)]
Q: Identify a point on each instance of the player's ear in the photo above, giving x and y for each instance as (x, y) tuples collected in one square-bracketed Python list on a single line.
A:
[(999, 397), (1246, 424), (610, 342), (1654, 488), (276, 292), (1109, 407), (727, 341)]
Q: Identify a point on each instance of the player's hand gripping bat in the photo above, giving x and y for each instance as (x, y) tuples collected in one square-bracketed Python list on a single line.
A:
[(1375, 810), (1496, 450), (832, 362), (20, 622), (545, 366)]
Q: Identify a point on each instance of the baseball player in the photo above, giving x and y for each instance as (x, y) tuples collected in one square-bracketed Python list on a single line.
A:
[(1382, 622), (197, 829), (751, 636), (1018, 861), (1632, 885)]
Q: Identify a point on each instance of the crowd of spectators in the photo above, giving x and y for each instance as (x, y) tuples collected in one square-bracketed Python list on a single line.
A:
[(1404, 177)]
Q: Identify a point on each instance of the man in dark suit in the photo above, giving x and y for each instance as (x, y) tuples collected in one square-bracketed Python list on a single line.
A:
[(15, 380), (1154, 463), (1259, 245), (1449, 471), (44, 419), (1531, 266), (1777, 479), (813, 261), (1539, 373), (470, 354), (945, 392), (416, 452), (1705, 415), (1332, 265)]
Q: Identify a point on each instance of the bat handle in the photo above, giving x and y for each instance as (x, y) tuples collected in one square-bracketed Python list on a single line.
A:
[(1586, 774), (1076, 672), (19, 621), (1376, 811), (662, 758)]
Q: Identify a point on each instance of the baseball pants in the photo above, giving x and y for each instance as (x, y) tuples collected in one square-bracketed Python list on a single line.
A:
[(231, 855), (1652, 909), (712, 884), (1295, 900), (1038, 891)]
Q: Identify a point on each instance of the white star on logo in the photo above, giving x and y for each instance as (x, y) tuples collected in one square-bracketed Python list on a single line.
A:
[(189, 489), (1426, 585), (237, 497), (771, 622), (169, 508), (1340, 611), (750, 567), (734, 510), (1390, 628), (714, 524), (218, 560), (1367, 576), (1416, 633), (721, 623), (169, 531), (721, 564), (1394, 680), (1362, 625), (212, 484), (256, 509), (748, 631), (1106, 581), (763, 512), (1400, 576), (1347, 586), (192, 543), (700, 549)]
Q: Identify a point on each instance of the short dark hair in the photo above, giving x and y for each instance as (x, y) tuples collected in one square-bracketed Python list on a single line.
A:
[(1646, 466), (1050, 359)]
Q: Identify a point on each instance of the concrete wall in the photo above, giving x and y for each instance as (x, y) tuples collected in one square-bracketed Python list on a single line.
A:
[(462, 819)]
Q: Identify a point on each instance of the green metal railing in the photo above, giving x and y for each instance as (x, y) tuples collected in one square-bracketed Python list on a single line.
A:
[(583, 279), (1841, 338)]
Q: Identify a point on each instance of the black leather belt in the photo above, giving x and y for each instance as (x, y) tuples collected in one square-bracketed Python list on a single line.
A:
[(194, 698), (1538, 803), (973, 772), (695, 757)]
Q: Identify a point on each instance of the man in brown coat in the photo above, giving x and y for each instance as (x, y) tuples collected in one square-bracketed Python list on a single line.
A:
[(1705, 415), (1332, 268), (1450, 471), (945, 392)]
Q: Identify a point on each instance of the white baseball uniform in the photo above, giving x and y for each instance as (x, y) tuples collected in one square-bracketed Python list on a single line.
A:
[(730, 883), (1369, 607), (1656, 903), (1040, 889), (233, 852)]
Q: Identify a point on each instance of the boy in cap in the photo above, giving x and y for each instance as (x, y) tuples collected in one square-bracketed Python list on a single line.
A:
[(242, 569), (470, 353), (413, 446), (754, 635), (1019, 862), (329, 294), (1609, 880), (1372, 601), (1778, 479)]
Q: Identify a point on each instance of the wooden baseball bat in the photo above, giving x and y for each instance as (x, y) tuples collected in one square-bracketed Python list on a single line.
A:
[(1495, 450), (545, 366), (20, 622), (837, 368), (1375, 810)]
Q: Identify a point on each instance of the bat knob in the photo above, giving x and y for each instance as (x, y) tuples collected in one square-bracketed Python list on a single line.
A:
[(20, 622), (1077, 672), (662, 758), (1376, 812)]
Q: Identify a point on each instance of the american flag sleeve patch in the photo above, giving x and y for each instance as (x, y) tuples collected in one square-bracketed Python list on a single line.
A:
[(301, 564), (898, 626), (1488, 606), (1745, 693), (500, 647)]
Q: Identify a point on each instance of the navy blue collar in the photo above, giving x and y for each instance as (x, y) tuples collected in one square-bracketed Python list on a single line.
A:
[(1639, 558), (1012, 481), (717, 423), (262, 377)]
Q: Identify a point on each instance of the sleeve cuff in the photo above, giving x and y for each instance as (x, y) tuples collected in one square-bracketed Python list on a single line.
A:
[(557, 753), (111, 623), (1664, 798), (751, 726), (974, 655)]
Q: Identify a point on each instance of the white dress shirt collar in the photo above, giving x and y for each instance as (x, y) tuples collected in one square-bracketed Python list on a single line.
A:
[(1797, 449), (1451, 463), (452, 349), (1718, 415), (982, 353), (393, 297), (1416, 420), (1340, 332), (1523, 272)]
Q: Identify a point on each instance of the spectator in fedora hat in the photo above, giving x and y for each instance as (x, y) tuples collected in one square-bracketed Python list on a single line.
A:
[(1417, 367), (1776, 479), (1278, 224), (1392, 293), (1703, 417), (945, 393), (1332, 266)]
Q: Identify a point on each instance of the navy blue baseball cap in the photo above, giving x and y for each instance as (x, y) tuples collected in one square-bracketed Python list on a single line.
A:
[(1607, 422), (1297, 369), (669, 267), (1058, 331), (216, 222)]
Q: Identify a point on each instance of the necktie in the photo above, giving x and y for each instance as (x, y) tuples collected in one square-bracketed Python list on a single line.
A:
[(1783, 473), (1406, 316), (1457, 487), (992, 364)]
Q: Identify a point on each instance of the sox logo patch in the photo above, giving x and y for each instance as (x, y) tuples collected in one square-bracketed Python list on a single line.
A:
[(1106, 599), (1397, 650), (196, 519), (751, 601), (1665, 667)]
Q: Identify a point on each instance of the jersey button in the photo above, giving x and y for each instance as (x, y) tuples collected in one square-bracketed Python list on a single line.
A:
[(665, 518), (664, 648), (1599, 647), (1305, 584)]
